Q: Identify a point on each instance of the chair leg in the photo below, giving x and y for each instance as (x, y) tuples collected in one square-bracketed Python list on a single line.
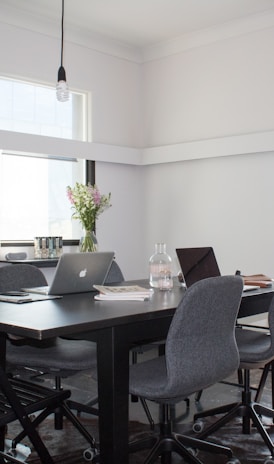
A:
[(58, 416), (168, 442), (8, 458), (65, 411), (268, 368), (262, 382), (87, 408), (147, 411), (248, 410)]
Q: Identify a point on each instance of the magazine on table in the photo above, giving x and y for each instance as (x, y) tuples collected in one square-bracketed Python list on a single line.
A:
[(124, 292)]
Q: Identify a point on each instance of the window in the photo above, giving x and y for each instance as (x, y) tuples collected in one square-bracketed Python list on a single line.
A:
[(33, 109), (33, 199)]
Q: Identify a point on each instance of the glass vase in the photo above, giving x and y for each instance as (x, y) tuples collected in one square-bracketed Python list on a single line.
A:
[(88, 243), (160, 268)]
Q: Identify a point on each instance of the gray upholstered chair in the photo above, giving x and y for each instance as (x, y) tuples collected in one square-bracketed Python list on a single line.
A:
[(256, 350), (200, 351), (115, 275), (58, 357)]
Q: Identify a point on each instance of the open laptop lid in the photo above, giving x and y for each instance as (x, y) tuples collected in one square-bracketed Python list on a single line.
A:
[(197, 264), (78, 272)]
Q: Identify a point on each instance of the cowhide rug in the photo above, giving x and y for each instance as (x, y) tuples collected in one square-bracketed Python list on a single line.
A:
[(67, 446)]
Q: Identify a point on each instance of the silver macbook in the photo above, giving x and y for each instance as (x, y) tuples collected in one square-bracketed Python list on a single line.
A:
[(77, 273)]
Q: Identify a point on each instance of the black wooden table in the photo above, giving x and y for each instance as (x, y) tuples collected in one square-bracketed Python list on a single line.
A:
[(115, 326)]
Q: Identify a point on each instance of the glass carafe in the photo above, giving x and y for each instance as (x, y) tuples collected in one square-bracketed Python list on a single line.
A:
[(160, 268)]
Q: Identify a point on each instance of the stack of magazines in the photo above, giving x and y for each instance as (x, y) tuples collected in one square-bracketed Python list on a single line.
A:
[(122, 293)]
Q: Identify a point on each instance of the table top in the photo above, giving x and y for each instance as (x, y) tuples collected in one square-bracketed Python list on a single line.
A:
[(76, 313)]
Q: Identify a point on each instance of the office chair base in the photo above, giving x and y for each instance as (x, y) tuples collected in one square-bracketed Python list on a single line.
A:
[(165, 444), (250, 413), (66, 411)]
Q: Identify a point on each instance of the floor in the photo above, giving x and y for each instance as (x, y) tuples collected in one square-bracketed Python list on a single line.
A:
[(83, 387)]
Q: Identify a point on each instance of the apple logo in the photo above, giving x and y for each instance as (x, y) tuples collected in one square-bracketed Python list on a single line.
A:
[(83, 273)]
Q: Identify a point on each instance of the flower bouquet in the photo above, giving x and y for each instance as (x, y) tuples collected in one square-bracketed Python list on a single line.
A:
[(88, 204)]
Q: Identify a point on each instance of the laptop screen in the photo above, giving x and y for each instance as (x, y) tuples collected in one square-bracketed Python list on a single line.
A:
[(197, 264)]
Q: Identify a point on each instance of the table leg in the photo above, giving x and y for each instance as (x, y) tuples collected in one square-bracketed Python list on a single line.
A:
[(113, 376), (3, 338)]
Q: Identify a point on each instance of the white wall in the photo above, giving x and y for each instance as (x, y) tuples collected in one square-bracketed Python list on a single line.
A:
[(121, 228), (226, 203), (114, 84), (222, 89)]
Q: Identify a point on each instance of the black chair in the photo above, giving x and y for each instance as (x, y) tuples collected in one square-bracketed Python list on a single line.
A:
[(18, 400), (58, 357), (194, 359), (256, 349)]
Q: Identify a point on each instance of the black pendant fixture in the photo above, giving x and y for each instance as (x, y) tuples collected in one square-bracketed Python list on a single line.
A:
[(62, 90)]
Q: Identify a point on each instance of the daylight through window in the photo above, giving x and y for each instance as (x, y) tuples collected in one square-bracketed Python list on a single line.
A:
[(33, 199)]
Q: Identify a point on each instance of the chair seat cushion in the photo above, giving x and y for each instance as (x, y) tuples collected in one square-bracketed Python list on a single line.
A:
[(254, 347), (154, 387), (57, 353)]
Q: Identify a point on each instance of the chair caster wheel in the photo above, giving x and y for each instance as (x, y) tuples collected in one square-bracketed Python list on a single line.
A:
[(90, 454), (193, 451), (12, 452), (198, 426), (269, 460)]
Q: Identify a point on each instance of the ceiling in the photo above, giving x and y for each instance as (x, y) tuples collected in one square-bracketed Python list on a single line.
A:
[(141, 23)]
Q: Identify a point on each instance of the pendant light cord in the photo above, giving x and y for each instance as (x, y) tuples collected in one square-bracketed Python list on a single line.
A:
[(62, 32)]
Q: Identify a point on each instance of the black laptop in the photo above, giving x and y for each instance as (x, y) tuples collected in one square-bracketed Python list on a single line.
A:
[(200, 263), (197, 264)]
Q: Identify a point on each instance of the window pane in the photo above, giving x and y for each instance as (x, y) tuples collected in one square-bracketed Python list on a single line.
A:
[(34, 197), (33, 109)]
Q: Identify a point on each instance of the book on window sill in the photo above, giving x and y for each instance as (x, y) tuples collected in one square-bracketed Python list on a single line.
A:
[(122, 293)]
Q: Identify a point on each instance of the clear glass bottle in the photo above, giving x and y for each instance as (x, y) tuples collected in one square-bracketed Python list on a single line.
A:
[(160, 268)]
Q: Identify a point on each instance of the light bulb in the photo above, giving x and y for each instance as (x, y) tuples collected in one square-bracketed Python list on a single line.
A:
[(62, 90)]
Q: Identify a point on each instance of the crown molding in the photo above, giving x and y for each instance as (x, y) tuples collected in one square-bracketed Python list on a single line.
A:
[(24, 20), (205, 37), (48, 27)]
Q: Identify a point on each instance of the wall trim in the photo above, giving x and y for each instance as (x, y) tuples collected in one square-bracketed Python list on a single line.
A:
[(243, 144), (24, 19)]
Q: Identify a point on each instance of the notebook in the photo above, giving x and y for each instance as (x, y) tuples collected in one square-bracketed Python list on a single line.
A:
[(77, 273), (200, 263)]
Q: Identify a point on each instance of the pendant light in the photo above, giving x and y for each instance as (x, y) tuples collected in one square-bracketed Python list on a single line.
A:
[(62, 91)]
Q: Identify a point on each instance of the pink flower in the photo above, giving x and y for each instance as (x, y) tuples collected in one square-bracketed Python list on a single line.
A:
[(96, 197)]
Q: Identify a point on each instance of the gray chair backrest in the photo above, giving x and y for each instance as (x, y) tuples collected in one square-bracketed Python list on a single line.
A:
[(114, 275), (17, 276), (201, 347)]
